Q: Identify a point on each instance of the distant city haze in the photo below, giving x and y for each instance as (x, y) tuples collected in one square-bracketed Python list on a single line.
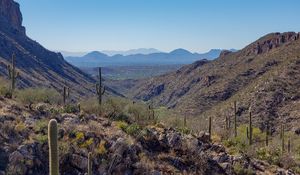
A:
[(121, 25)]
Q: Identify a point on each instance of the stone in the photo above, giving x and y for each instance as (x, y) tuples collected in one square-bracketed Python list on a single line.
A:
[(78, 161)]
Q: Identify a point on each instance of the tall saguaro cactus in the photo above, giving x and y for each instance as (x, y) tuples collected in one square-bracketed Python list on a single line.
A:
[(66, 94), (250, 127), (53, 148), (100, 89), (235, 120), (90, 164), (289, 145), (12, 74), (209, 128)]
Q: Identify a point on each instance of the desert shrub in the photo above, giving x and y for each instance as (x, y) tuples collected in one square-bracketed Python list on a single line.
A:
[(70, 108), (41, 138), (101, 149), (133, 129), (40, 126), (87, 143), (90, 106), (4, 87), (240, 170), (122, 125), (38, 95), (140, 114), (240, 144), (183, 130), (269, 154), (20, 127), (64, 147)]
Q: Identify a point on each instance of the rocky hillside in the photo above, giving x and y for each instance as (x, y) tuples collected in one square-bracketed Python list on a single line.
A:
[(37, 65), (264, 75), (152, 149)]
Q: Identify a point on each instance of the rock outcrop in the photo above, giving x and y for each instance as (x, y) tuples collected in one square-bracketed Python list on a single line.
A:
[(155, 150), (270, 42), (10, 16), (37, 65)]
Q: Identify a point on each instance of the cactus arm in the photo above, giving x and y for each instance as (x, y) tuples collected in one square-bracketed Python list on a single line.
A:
[(53, 148), (103, 91)]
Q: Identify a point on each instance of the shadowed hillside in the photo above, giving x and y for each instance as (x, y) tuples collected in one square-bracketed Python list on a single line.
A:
[(37, 65), (264, 75)]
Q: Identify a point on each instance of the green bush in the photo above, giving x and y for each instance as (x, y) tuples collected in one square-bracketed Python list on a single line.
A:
[(240, 144), (70, 109), (4, 87), (38, 95), (240, 170), (122, 125), (90, 106), (133, 129), (271, 155)]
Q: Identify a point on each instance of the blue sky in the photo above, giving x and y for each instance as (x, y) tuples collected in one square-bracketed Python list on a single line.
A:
[(196, 25)]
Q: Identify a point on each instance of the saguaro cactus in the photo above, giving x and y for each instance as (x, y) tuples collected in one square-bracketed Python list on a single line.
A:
[(100, 89), (184, 121), (247, 132), (53, 148), (226, 123), (282, 138), (90, 164), (267, 135), (209, 128), (12, 74), (250, 127), (66, 94), (235, 120), (289, 145)]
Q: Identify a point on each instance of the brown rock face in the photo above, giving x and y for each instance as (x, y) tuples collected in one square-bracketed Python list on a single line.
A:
[(225, 52), (10, 15), (270, 42)]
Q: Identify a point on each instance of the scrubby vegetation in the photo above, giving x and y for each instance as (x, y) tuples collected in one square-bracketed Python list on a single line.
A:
[(31, 96)]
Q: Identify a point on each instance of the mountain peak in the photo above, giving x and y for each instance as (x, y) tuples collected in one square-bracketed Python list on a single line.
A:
[(11, 16), (95, 54), (180, 51)]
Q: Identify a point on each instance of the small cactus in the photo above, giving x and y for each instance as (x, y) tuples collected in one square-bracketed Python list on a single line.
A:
[(235, 120), (12, 74), (53, 148), (267, 135), (184, 121), (250, 127), (289, 145), (226, 123), (90, 164), (79, 107), (209, 128), (100, 89)]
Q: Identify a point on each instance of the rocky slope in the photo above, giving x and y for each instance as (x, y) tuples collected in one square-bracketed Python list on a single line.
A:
[(37, 65), (264, 75), (155, 150)]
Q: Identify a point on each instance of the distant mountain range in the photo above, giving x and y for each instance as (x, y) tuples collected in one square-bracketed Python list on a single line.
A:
[(178, 56), (144, 51), (112, 52)]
